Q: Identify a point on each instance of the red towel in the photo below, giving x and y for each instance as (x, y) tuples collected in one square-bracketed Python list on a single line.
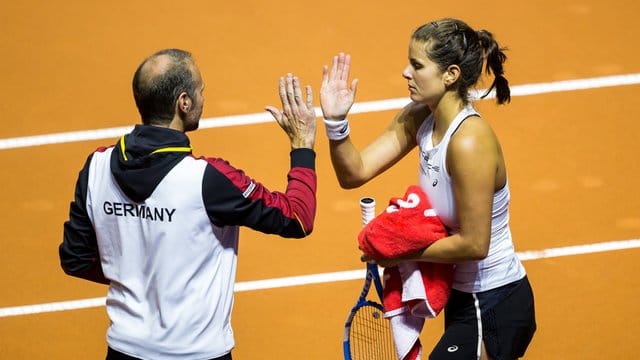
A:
[(413, 291)]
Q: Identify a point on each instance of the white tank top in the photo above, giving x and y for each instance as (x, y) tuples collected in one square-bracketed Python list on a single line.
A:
[(501, 266), (172, 272)]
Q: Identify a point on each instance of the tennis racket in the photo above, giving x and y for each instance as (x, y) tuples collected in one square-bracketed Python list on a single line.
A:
[(367, 334)]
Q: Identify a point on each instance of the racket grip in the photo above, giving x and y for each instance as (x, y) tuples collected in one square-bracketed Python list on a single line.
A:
[(367, 209)]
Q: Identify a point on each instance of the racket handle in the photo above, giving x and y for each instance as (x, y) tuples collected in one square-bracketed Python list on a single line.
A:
[(367, 209)]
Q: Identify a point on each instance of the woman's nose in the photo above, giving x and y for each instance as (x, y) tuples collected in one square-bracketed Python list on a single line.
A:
[(406, 73)]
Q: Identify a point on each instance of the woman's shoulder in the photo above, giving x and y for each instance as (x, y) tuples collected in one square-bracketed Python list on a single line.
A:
[(475, 126), (474, 134)]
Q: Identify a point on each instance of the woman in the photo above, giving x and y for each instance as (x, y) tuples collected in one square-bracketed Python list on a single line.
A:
[(490, 314)]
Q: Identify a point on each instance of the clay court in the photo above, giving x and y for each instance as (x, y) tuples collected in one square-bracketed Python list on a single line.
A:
[(569, 135)]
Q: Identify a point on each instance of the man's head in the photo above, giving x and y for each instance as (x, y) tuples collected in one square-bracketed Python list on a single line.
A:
[(167, 88)]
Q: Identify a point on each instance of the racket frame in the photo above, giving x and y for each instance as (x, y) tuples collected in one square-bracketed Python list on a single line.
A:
[(372, 275)]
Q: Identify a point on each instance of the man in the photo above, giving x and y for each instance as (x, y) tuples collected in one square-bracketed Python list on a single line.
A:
[(160, 226)]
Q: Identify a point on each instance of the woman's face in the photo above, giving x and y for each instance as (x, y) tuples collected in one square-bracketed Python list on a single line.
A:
[(424, 78)]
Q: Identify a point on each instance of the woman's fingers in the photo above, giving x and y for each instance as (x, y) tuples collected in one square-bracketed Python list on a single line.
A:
[(346, 65), (325, 75), (334, 67)]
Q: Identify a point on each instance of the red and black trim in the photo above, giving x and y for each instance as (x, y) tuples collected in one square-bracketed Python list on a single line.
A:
[(233, 198)]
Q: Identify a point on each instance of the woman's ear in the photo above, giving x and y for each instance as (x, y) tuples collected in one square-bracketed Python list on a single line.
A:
[(451, 75)]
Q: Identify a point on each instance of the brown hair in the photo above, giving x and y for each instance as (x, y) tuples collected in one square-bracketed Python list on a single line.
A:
[(451, 41)]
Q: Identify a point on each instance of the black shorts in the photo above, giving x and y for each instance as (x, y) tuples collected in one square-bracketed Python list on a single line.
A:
[(503, 318), (116, 355)]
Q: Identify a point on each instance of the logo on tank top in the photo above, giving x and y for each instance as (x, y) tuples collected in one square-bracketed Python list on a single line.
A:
[(425, 164), (426, 156), (452, 348)]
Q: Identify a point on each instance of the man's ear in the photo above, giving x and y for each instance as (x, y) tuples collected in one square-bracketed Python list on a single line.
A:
[(451, 75), (184, 103)]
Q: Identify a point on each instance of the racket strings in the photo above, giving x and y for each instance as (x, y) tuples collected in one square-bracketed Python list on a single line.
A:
[(370, 335)]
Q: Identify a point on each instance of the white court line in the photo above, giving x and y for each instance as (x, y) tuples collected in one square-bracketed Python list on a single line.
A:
[(361, 107), (320, 278)]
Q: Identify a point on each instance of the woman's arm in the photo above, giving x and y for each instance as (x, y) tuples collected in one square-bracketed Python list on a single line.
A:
[(476, 167), (354, 168), (474, 160)]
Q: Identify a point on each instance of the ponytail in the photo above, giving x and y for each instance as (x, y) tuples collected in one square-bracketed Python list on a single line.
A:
[(495, 58)]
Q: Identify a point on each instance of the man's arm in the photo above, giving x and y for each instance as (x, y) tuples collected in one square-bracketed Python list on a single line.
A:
[(78, 251), (233, 198)]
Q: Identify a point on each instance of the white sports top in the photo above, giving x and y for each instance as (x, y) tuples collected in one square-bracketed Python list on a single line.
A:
[(501, 266), (171, 270)]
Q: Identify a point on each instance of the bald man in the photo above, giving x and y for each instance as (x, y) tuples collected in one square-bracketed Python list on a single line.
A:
[(160, 226)]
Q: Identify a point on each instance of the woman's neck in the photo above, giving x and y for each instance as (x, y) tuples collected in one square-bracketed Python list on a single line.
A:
[(443, 114)]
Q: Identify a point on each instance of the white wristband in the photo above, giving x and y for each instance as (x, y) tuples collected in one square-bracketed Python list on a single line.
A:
[(337, 129)]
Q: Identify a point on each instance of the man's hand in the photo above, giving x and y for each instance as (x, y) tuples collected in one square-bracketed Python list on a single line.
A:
[(297, 118)]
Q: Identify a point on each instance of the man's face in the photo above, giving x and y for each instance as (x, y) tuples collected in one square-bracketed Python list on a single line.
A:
[(192, 120)]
